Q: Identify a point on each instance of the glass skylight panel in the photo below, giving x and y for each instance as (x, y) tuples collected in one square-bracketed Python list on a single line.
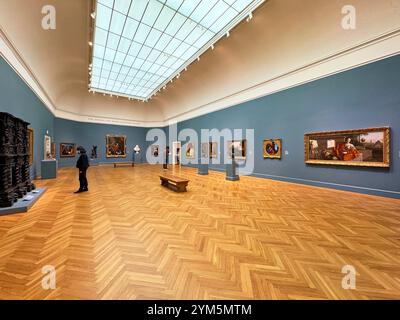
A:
[(140, 45)]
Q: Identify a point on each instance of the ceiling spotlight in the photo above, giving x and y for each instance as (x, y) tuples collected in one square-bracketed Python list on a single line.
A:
[(212, 47), (104, 94), (198, 58), (90, 43), (165, 87), (185, 68), (93, 15), (249, 17), (178, 76), (228, 34)]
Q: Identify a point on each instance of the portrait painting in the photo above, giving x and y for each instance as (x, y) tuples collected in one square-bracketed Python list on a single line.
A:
[(155, 150), (273, 149), (237, 149), (30, 145), (115, 146), (67, 150), (190, 152), (361, 147)]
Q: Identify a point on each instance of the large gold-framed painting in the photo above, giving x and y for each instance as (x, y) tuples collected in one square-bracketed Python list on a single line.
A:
[(360, 147), (115, 146), (273, 149), (30, 145), (237, 148)]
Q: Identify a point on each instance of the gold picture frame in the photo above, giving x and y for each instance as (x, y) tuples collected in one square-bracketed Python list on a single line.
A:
[(67, 150), (359, 147), (115, 146), (30, 146), (272, 149)]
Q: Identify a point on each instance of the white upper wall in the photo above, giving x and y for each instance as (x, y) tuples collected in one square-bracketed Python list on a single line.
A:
[(288, 42)]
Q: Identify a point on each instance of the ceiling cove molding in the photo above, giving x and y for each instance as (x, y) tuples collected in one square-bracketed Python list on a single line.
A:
[(105, 120), (378, 48), (14, 59)]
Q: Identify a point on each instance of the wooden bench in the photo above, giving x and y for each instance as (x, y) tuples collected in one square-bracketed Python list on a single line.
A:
[(124, 164), (174, 183)]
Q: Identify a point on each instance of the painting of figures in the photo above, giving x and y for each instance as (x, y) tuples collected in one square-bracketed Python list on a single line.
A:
[(115, 146), (361, 147), (67, 150), (273, 149)]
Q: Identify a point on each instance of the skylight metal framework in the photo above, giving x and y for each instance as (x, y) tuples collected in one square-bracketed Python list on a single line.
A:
[(141, 45)]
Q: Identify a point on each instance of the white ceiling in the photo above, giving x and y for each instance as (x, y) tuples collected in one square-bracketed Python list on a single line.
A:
[(288, 42)]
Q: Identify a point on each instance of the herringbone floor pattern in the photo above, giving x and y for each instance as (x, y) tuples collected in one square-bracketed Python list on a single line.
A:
[(130, 238)]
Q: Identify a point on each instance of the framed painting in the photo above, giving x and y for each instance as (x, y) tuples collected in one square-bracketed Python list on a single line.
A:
[(237, 148), (47, 147), (205, 153), (360, 147), (213, 150), (67, 150), (30, 146), (115, 146), (272, 149), (190, 152), (53, 150), (209, 150), (155, 150)]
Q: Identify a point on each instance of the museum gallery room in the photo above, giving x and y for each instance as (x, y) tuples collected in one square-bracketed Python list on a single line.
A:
[(199, 150)]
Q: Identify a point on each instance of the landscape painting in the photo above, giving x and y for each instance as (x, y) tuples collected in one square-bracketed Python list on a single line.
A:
[(67, 150), (273, 149), (237, 149), (115, 146), (361, 147)]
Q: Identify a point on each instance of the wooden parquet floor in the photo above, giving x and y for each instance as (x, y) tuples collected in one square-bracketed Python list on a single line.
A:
[(130, 238)]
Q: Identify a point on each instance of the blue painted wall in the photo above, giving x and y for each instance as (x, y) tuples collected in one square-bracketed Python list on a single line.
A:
[(18, 99), (365, 97), (89, 134)]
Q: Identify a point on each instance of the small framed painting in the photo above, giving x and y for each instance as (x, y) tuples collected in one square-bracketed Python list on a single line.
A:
[(209, 150), (115, 146), (190, 152), (155, 150), (67, 150), (360, 147), (237, 149), (273, 149)]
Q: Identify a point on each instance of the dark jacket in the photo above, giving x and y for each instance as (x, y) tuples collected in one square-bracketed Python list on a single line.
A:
[(83, 161)]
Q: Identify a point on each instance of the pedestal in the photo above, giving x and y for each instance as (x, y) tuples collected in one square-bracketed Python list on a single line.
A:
[(231, 174), (49, 169), (137, 158), (203, 169)]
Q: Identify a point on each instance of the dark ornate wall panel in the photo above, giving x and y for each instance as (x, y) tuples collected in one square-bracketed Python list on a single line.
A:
[(14, 160)]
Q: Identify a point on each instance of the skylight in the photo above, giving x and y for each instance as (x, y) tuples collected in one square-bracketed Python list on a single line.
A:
[(141, 45)]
